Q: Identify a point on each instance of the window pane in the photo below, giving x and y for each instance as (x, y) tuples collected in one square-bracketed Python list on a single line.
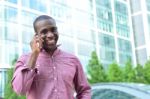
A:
[(11, 51), (86, 35), (138, 30), (28, 18), (135, 5), (141, 56), (106, 40), (85, 48), (104, 3), (11, 32), (12, 1), (124, 46), (67, 44), (107, 54), (27, 34), (40, 5), (121, 7), (10, 14)]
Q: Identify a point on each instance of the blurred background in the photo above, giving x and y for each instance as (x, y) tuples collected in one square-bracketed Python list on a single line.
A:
[(106, 34)]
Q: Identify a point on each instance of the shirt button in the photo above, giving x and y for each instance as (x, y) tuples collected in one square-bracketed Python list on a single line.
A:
[(37, 65), (55, 90), (55, 78), (54, 67), (38, 72)]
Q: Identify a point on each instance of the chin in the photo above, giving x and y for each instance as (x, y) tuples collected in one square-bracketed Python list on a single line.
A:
[(51, 48)]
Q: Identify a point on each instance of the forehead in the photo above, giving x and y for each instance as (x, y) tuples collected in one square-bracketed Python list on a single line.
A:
[(44, 23)]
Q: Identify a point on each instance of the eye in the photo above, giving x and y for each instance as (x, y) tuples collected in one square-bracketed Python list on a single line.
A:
[(44, 31), (54, 29)]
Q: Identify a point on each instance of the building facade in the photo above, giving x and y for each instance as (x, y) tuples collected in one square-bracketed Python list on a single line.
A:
[(83, 25), (141, 23)]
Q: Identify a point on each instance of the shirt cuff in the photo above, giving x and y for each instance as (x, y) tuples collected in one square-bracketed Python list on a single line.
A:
[(25, 67)]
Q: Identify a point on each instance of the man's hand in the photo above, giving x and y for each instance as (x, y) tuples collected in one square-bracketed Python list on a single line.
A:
[(36, 46)]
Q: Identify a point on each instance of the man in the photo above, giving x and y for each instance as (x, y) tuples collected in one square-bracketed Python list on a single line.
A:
[(48, 72)]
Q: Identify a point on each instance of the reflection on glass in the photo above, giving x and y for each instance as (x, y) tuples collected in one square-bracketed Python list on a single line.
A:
[(11, 32), (10, 14), (12, 1), (27, 18), (40, 5)]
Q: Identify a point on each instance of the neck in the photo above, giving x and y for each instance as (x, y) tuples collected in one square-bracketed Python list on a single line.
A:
[(51, 51)]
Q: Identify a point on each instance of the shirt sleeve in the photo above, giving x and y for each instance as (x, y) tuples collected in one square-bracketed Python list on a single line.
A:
[(82, 87), (23, 77)]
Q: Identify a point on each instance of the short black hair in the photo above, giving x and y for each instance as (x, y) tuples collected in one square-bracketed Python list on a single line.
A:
[(39, 18)]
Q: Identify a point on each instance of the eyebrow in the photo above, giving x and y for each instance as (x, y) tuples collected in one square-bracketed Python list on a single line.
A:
[(49, 26)]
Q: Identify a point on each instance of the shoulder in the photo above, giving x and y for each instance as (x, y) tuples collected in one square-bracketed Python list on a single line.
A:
[(24, 57), (67, 55), (70, 56)]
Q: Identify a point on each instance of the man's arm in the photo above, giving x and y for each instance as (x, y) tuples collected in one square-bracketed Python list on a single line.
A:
[(23, 76), (25, 70), (82, 87)]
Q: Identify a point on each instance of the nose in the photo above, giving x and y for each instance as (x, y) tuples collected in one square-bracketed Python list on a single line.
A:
[(50, 36)]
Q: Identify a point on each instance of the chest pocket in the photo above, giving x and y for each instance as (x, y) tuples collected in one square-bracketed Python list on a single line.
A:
[(44, 73)]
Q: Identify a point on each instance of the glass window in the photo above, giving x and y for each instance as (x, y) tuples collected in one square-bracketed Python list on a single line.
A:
[(105, 25), (121, 7), (1, 32), (84, 5), (135, 5), (124, 57), (27, 34), (124, 46), (1, 56), (65, 28), (26, 48), (12, 1), (84, 61), (60, 11), (28, 18), (40, 5), (1, 12), (138, 30), (141, 56), (2, 81), (10, 14), (107, 54), (85, 48), (67, 44), (104, 3), (149, 23), (82, 18), (61, 1), (121, 19), (87, 35), (11, 51), (106, 40), (123, 31), (148, 4), (104, 13), (11, 32)]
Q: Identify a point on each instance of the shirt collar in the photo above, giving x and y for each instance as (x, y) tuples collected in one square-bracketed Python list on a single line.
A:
[(56, 52)]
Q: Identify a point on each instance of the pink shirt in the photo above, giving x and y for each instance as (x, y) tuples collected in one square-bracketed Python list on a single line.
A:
[(55, 77)]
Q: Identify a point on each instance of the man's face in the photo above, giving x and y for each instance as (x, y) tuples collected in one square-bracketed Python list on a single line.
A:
[(48, 31)]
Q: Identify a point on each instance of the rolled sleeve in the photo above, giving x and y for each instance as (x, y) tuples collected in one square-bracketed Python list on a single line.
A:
[(23, 77)]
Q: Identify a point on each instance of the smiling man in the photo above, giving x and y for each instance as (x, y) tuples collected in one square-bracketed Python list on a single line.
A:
[(48, 72)]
